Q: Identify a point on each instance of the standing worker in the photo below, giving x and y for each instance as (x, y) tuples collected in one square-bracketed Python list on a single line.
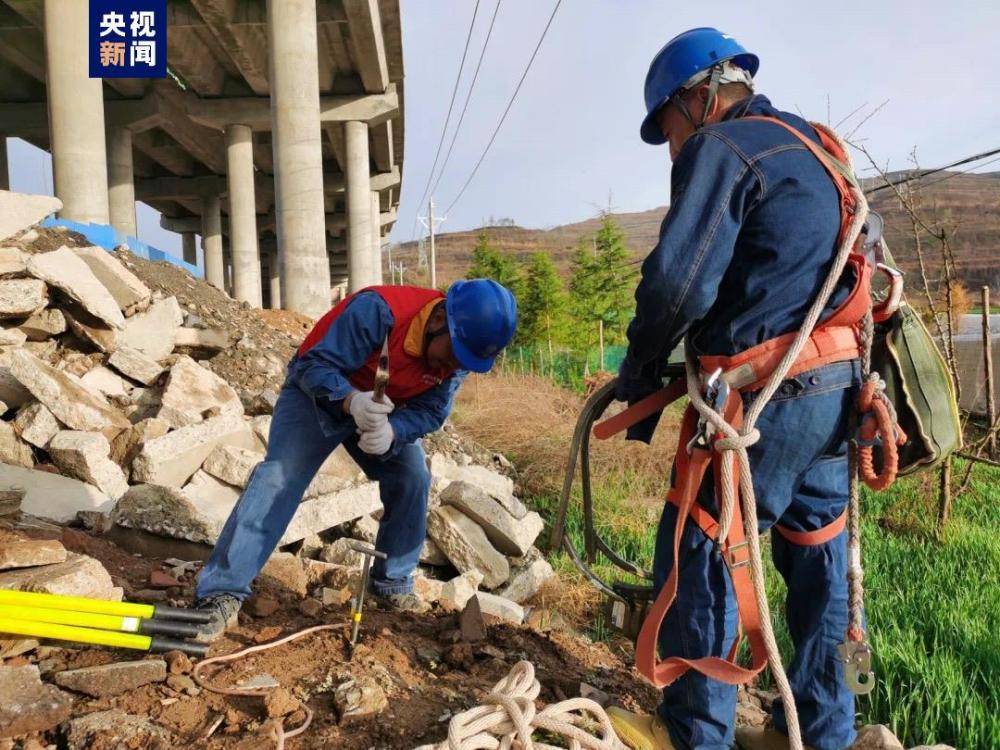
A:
[(749, 240), (431, 340)]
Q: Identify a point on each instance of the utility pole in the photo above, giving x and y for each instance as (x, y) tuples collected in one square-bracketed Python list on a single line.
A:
[(430, 224)]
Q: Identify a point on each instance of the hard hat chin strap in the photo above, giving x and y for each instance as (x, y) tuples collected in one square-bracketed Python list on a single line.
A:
[(714, 79)]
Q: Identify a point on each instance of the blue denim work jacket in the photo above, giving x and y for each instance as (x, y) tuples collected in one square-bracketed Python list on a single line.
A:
[(747, 243)]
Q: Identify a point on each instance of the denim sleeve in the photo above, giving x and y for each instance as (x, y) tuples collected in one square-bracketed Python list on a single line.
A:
[(356, 333), (712, 188), (425, 413)]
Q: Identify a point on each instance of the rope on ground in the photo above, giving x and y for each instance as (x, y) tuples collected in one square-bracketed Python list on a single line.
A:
[(738, 441), (280, 734), (507, 720)]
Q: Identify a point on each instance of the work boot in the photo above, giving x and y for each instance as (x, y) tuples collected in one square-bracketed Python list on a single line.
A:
[(402, 603), (758, 738), (224, 609), (640, 731)]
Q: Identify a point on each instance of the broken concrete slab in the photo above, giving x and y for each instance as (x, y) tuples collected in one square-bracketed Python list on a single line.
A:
[(135, 365), (78, 575), (359, 699), (527, 575), (35, 424), (10, 502), (510, 535), (500, 487), (209, 339), (84, 455), (31, 552), (64, 270), (261, 427), (104, 382), (153, 332), (365, 529), (12, 449), (90, 329), (465, 544), (342, 553), (498, 606), (431, 554), (26, 703), (123, 285), (232, 465), (11, 261), (192, 392), (49, 495), (20, 298), (44, 324), (327, 511), (168, 511), (12, 337), (70, 402), (170, 460), (115, 728), (127, 443), (12, 392), (18, 211), (876, 737), (457, 592), (112, 679)]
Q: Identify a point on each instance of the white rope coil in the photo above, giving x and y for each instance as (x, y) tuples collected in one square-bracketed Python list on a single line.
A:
[(508, 719)]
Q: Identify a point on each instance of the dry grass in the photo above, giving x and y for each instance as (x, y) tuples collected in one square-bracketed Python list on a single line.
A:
[(530, 420)]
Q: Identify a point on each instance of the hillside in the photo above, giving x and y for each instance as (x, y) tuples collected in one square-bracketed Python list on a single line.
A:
[(968, 202)]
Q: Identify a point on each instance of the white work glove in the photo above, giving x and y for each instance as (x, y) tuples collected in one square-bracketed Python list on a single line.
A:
[(378, 441), (369, 414)]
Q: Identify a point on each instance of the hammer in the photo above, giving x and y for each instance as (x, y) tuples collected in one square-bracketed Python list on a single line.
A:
[(359, 601)]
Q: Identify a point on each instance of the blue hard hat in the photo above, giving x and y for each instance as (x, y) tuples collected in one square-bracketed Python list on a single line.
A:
[(482, 317), (683, 56)]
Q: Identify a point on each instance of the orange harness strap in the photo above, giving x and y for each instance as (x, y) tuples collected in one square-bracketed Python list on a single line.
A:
[(689, 475)]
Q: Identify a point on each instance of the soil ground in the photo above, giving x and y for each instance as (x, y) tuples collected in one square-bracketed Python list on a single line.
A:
[(427, 677)]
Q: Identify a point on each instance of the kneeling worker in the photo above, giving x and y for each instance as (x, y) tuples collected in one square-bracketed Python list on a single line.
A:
[(432, 340)]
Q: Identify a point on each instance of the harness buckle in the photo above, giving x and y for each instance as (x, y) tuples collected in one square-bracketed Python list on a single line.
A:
[(857, 659), (729, 555), (716, 394)]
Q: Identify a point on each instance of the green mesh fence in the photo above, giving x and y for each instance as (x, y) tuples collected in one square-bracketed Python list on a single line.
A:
[(567, 368)]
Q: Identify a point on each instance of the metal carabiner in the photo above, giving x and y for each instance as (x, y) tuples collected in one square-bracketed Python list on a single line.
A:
[(716, 395), (857, 659)]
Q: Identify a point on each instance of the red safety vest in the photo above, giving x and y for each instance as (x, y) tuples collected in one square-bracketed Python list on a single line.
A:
[(409, 376)]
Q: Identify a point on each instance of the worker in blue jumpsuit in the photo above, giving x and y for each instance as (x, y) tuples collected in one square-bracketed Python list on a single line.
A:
[(432, 340), (748, 241)]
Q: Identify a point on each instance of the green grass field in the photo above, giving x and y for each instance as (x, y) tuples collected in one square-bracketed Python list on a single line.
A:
[(933, 606)]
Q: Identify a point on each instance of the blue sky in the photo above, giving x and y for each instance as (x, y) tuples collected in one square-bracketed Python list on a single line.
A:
[(571, 138)]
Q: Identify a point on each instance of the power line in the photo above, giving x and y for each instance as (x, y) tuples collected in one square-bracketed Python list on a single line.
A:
[(447, 119), (468, 96), (927, 172), (503, 117), (962, 171)]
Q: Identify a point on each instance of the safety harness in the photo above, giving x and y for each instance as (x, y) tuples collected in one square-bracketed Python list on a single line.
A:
[(716, 433)]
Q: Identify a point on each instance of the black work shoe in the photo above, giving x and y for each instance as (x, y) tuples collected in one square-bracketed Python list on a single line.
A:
[(402, 603), (224, 609)]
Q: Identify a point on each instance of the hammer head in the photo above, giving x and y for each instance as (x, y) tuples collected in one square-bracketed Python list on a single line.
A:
[(366, 549)]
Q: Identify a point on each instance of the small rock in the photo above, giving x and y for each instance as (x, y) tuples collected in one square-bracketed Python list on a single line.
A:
[(876, 737), (335, 597), (457, 592), (267, 634), (95, 521), (280, 702), (311, 607), (460, 656), (135, 365), (178, 662), (471, 623), (183, 684), (497, 606), (359, 699), (25, 554), (113, 679), (285, 572), (115, 728), (263, 606), (29, 705), (160, 580)]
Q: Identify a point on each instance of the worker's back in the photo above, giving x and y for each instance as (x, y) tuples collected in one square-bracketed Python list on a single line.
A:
[(787, 236)]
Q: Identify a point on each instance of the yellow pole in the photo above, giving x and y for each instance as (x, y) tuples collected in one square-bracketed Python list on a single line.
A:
[(71, 633), (76, 604), (65, 617)]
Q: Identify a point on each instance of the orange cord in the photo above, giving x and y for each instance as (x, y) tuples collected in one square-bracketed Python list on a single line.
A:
[(877, 421)]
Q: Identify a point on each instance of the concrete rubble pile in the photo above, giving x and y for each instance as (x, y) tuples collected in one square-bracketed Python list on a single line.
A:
[(111, 419)]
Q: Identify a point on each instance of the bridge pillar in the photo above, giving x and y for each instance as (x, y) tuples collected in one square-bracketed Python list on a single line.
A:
[(211, 241), (376, 232), (189, 248), (121, 181), (4, 175), (359, 209), (274, 277), (242, 214)]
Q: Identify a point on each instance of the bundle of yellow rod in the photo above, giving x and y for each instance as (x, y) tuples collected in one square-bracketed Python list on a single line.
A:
[(144, 627)]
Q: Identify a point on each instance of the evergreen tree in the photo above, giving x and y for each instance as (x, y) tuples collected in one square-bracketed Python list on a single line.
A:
[(489, 262), (614, 280), (583, 305), (542, 305)]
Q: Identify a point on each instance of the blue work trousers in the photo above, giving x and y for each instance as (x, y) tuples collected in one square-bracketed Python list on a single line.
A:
[(302, 437), (801, 481)]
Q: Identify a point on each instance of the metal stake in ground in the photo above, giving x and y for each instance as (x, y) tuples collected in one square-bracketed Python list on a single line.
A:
[(359, 601)]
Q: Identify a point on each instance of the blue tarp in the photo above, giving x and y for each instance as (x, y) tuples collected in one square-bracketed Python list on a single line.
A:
[(105, 236)]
